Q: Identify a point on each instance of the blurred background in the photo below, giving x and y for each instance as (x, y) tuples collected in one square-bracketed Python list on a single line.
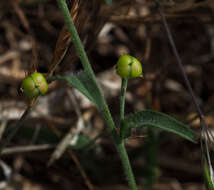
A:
[(29, 32)]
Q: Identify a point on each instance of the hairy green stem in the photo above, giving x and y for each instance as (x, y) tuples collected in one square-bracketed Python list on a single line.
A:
[(119, 143), (122, 149), (122, 98), (127, 166), (106, 113), (75, 37)]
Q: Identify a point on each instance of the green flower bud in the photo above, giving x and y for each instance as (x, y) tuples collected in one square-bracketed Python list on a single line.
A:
[(34, 85), (128, 67)]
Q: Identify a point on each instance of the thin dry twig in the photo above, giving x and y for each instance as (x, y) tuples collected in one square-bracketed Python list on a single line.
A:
[(23, 149), (65, 142), (26, 25), (3, 127), (73, 133), (180, 64), (11, 54), (14, 131), (205, 128), (73, 100), (76, 161)]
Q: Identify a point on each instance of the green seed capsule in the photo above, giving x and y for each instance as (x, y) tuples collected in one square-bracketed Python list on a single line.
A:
[(34, 85), (129, 67)]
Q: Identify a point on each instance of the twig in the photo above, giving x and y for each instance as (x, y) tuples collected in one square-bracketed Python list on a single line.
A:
[(204, 125), (76, 161), (179, 61), (73, 133), (66, 141), (3, 127), (82, 172), (73, 99), (26, 25), (31, 148), (14, 131), (11, 54)]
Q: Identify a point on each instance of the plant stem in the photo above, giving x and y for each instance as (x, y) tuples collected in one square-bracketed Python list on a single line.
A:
[(119, 143), (75, 37), (122, 149), (127, 166), (106, 113), (122, 98)]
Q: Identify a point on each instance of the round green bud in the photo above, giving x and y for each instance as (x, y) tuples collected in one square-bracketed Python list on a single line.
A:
[(129, 67), (34, 85)]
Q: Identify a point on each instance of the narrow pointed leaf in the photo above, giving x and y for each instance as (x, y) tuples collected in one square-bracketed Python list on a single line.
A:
[(85, 84), (108, 2), (156, 119), (92, 88), (208, 175)]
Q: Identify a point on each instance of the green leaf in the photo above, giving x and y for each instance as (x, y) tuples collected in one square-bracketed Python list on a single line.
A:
[(108, 2), (86, 85), (208, 175), (82, 142), (156, 119)]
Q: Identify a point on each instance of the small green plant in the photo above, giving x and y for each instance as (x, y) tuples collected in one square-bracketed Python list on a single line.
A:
[(85, 81), (127, 67), (34, 85)]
